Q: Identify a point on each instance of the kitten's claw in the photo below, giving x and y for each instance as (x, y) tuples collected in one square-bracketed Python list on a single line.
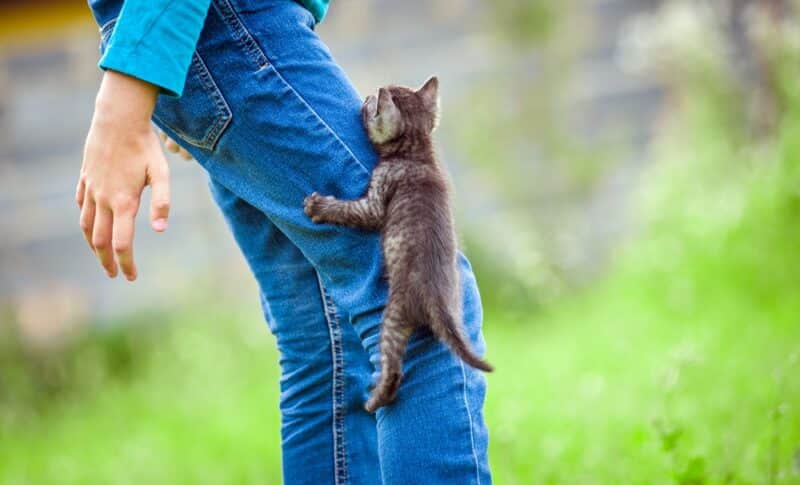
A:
[(310, 205), (313, 206)]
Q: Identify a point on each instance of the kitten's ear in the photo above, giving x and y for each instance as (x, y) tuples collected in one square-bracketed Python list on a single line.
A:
[(385, 102), (429, 92), (387, 122)]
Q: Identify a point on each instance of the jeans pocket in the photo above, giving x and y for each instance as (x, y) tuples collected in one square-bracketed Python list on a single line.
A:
[(200, 115)]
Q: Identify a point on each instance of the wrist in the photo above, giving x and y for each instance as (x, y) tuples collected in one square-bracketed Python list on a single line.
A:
[(125, 100)]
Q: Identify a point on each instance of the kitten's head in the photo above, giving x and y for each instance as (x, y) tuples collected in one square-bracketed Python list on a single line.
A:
[(397, 112)]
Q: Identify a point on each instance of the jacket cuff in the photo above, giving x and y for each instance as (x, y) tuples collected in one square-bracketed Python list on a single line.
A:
[(146, 65)]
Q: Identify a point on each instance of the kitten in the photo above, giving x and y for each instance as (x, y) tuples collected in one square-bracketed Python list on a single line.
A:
[(408, 201)]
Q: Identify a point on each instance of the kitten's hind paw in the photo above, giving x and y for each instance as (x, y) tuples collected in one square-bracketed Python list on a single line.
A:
[(374, 403), (385, 392)]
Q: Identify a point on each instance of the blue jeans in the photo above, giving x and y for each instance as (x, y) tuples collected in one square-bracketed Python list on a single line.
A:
[(271, 117)]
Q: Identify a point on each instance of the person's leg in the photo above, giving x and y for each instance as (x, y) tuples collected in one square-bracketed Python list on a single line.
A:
[(272, 118), (323, 366)]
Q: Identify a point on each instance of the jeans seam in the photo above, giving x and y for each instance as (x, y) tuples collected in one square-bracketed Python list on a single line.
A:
[(337, 387), (105, 34), (256, 54), (240, 32), (106, 28), (469, 417), (319, 118), (223, 114)]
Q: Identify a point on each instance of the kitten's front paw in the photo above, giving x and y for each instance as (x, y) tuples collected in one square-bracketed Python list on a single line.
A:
[(314, 206)]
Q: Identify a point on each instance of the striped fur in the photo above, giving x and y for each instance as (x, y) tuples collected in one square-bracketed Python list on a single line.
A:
[(408, 201)]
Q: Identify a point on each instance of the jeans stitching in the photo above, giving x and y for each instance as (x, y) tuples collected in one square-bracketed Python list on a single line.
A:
[(469, 417), (337, 355), (251, 47), (240, 32), (105, 34), (106, 28), (319, 118), (223, 111)]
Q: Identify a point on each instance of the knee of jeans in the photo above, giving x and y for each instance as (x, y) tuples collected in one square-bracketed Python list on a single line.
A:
[(307, 368)]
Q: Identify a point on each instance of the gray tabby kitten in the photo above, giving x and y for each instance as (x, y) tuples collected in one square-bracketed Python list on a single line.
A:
[(408, 201)]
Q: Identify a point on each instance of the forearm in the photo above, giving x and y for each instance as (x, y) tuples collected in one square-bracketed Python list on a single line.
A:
[(125, 99)]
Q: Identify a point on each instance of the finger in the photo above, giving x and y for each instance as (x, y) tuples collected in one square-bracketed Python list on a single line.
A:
[(162, 135), (185, 154), (101, 239), (87, 220), (80, 190), (171, 146), (122, 242), (159, 197)]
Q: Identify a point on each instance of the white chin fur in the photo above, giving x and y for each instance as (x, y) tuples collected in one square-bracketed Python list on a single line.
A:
[(376, 132)]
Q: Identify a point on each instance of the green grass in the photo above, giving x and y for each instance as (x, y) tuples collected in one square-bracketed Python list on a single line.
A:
[(683, 365), (608, 391), (603, 389), (201, 408)]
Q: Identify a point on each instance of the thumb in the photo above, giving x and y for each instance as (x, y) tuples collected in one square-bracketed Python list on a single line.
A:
[(159, 196)]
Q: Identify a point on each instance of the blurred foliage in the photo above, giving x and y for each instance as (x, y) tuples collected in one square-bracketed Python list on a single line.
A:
[(183, 398), (520, 138), (35, 378), (525, 22), (538, 170), (682, 364)]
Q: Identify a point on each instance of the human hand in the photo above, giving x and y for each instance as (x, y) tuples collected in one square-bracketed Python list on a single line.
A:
[(173, 147), (122, 155)]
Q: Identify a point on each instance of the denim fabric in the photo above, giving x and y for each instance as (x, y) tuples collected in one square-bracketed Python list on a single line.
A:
[(155, 39), (271, 117)]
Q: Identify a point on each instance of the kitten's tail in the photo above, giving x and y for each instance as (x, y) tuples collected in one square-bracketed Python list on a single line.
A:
[(449, 332)]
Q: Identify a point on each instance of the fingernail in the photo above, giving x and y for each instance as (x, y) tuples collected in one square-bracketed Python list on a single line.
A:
[(160, 225)]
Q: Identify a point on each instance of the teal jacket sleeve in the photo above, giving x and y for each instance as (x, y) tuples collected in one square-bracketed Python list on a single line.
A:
[(154, 40)]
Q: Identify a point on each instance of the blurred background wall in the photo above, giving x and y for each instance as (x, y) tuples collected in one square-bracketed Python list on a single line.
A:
[(49, 78)]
